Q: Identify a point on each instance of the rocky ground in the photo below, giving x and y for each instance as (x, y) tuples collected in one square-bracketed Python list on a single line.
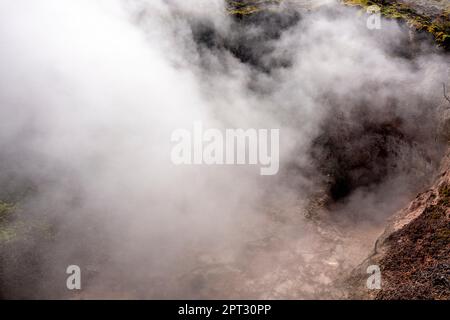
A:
[(414, 251)]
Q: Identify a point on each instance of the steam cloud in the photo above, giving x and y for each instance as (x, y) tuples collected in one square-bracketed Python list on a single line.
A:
[(90, 92)]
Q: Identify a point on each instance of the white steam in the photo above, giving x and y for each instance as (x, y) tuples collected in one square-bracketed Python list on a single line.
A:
[(91, 90)]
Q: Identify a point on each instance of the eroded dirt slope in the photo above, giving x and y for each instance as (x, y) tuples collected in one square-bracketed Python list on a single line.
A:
[(414, 251)]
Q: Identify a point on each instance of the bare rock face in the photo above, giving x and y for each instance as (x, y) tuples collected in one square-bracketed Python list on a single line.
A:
[(413, 253)]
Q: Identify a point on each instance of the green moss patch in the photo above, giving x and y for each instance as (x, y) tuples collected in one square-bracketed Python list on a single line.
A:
[(246, 7), (15, 227), (7, 232), (6, 210)]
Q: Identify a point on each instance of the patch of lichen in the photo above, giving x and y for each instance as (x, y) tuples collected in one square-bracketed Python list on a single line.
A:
[(14, 227), (439, 27), (7, 233), (5, 210), (246, 7)]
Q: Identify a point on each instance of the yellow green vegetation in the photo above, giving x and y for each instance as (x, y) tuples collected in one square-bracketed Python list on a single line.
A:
[(13, 227), (439, 27), (7, 233), (246, 7), (5, 210)]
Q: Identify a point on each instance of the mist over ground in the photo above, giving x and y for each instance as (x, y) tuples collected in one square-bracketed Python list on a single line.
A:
[(91, 91)]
